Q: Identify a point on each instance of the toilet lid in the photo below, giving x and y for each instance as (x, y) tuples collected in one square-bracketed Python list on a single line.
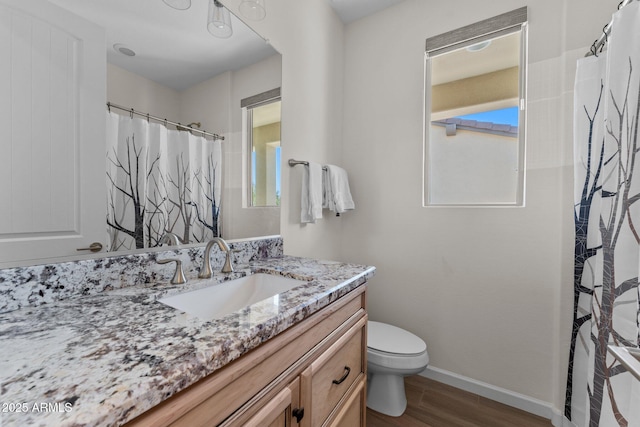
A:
[(391, 339)]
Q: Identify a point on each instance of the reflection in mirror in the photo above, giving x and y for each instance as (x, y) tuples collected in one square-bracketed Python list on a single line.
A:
[(262, 116), (475, 114), (163, 186), (164, 62)]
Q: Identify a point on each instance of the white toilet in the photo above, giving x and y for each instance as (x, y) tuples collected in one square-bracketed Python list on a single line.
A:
[(392, 354)]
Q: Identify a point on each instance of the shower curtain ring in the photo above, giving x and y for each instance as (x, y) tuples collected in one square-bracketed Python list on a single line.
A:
[(131, 113), (147, 117), (606, 38), (109, 106)]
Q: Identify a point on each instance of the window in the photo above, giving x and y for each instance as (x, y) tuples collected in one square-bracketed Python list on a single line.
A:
[(262, 139), (474, 114)]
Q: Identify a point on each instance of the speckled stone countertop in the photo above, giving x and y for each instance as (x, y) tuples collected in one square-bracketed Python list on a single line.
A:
[(102, 360)]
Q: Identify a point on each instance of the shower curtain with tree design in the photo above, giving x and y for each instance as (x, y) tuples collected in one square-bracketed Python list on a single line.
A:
[(600, 391), (160, 181)]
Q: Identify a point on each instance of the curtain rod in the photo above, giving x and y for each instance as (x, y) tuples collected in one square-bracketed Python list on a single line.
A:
[(148, 116), (606, 30)]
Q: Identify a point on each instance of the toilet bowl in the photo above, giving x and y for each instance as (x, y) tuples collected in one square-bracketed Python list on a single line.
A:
[(392, 354)]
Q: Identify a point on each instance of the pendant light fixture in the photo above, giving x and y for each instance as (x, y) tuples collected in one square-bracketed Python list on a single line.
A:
[(178, 4), (219, 20), (253, 9)]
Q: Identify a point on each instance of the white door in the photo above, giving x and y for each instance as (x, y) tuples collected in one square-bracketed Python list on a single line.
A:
[(52, 132)]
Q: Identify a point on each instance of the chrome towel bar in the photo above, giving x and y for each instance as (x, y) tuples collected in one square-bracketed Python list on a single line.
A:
[(293, 162)]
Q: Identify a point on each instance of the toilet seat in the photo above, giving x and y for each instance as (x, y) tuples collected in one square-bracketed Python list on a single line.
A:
[(394, 348), (398, 362), (393, 340)]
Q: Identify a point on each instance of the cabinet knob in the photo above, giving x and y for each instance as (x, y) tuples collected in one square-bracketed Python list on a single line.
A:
[(298, 414), (347, 370), (94, 247)]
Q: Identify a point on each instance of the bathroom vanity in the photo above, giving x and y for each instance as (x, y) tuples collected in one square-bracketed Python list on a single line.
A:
[(120, 357), (312, 374)]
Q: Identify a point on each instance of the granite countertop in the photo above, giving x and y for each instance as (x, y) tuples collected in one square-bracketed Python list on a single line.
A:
[(102, 360)]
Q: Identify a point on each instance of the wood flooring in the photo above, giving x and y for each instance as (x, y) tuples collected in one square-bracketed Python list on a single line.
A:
[(433, 404)]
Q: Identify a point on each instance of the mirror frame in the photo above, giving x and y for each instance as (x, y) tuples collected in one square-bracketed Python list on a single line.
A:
[(500, 25)]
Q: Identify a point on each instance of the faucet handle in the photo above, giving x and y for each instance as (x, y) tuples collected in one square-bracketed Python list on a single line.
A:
[(227, 267), (178, 276), (205, 271)]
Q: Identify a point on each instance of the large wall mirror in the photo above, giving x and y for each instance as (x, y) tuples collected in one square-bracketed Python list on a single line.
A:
[(158, 60), (474, 115)]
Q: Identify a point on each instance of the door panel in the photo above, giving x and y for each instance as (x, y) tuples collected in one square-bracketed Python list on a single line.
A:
[(52, 149)]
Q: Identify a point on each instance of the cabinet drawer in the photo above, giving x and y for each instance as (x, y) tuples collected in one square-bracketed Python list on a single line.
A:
[(334, 372)]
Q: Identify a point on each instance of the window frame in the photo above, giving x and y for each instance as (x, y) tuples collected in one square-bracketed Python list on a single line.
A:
[(500, 25), (247, 105)]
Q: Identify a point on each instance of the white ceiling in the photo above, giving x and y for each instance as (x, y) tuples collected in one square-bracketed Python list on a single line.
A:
[(351, 10), (174, 48)]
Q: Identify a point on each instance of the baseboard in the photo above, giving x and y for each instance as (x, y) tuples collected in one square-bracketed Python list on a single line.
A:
[(504, 396)]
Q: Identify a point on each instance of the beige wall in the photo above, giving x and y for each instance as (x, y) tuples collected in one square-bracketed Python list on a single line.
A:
[(216, 102), (133, 91), (310, 38), (489, 289), (243, 221)]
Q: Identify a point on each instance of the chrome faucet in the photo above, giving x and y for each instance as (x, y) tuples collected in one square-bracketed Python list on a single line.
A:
[(205, 271), (169, 238)]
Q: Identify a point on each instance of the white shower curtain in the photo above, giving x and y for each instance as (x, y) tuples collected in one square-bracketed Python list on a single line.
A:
[(160, 181), (600, 392)]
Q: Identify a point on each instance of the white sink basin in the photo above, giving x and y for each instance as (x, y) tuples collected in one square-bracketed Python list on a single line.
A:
[(221, 299)]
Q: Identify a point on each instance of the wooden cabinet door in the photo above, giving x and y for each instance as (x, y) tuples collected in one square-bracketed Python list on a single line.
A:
[(353, 412), (52, 118), (279, 411)]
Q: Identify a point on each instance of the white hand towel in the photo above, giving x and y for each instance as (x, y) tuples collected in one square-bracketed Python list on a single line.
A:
[(327, 193), (337, 193), (311, 199)]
